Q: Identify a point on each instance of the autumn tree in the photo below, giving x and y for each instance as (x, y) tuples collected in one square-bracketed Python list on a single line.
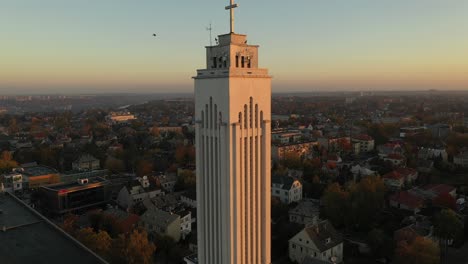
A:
[(106, 222), (185, 180), (185, 154), (69, 224), (133, 248), (114, 164), (421, 250), (99, 242), (355, 206), (144, 167), (6, 162)]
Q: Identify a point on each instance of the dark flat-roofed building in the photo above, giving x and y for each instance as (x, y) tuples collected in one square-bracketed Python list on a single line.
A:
[(67, 197), (35, 175), (28, 237)]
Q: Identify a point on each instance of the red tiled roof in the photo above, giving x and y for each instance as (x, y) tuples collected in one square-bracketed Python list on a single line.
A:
[(363, 137), (394, 175), (407, 199), (439, 188), (406, 171)]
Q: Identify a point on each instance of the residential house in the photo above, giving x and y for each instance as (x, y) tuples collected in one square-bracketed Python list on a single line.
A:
[(362, 143), (287, 189), (361, 171), (389, 148), (138, 190), (417, 229), (397, 160), (86, 162), (425, 166), (12, 181), (319, 241), (189, 198), (158, 221), (300, 149), (461, 160), (432, 153), (400, 177), (334, 143), (407, 201), (306, 212), (167, 181), (185, 222)]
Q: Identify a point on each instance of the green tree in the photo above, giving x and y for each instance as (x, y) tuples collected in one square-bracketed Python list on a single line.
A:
[(366, 201), (381, 244), (447, 226), (336, 206)]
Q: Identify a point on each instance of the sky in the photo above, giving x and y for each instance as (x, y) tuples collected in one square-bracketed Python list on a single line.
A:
[(102, 46)]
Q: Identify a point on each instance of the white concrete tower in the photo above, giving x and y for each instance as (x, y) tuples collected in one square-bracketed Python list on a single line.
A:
[(233, 112)]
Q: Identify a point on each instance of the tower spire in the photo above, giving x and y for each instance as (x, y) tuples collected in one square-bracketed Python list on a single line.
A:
[(231, 10)]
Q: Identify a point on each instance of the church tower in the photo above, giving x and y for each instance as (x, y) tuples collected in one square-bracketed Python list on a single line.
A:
[(233, 113)]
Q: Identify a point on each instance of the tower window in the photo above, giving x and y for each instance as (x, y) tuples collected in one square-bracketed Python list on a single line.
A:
[(248, 62), (215, 65), (242, 61), (237, 61)]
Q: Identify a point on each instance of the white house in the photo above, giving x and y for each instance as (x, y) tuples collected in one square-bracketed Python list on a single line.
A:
[(362, 143), (137, 191), (161, 222), (319, 241), (189, 198), (185, 222), (12, 182), (287, 189), (168, 181)]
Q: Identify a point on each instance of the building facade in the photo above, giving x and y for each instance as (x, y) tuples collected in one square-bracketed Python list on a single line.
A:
[(69, 197), (232, 111), (286, 189), (319, 241)]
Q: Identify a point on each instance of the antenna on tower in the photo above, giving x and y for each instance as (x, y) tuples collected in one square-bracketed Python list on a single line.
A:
[(210, 29)]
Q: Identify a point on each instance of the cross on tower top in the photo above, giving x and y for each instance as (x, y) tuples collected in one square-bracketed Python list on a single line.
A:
[(231, 9)]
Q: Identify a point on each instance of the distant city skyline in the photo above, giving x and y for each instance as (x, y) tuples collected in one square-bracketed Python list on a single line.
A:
[(56, 46)]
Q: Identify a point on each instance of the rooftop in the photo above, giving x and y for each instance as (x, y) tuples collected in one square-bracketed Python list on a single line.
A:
[(31, 238), (37, 170), (73, 186), (323, 235)]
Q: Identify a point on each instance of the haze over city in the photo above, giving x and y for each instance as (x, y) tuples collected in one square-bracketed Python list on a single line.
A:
[(55, 46)]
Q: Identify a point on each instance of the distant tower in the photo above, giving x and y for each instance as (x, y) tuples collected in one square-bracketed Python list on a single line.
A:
[(233, 112)]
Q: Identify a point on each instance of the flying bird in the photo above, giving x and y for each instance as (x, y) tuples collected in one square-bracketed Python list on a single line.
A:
[(154, 35)]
